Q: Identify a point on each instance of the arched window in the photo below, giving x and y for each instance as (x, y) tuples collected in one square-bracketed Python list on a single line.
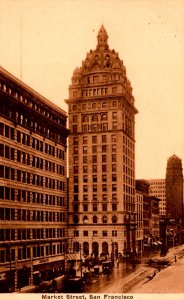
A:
[(85, 118), (114, 104), (94, 118), (74, 107), (84, 106), (75, 219), (85, 219), (104, 219), (104, 104), (95, 219), (114, 219), (76, 247), (104, 117)]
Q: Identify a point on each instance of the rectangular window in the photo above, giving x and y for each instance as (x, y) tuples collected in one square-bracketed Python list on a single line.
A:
[(85, 159), (104, 158), (94, 168), (94, 158), (94, 149), (85, 233), (85, 207), (85, 178), (85, 140), (85, 149), (104, 232), (104, 207), (94, 139), (104, 148), (104, 168), (95, 208), (104, 139)]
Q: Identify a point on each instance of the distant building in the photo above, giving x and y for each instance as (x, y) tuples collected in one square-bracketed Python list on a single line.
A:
[(151, 230), (139, 220), (101, 152), (174, 189), (33, 189), (157, 189)]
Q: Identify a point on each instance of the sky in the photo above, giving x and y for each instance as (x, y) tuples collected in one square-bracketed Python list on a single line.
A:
[(42, 42)]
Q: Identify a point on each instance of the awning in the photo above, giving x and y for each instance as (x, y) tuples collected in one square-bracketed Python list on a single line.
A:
[(159, 242), (73, 256)]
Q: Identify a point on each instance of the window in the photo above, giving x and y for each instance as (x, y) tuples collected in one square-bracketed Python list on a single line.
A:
[(114, 219), (75, 159), (94, 139), (94, 149), (95, 219), (114, 125), (94, 168), (85, 159), (94, 178), (113, 138), (76, 179), (104, 177), (94, 207), (104, 219), (94, 197), (75, 140), (104, 139), (104, 207), (85, 197), (94, 158), (104, 187), (74, 128), (104, 232), (85, 149), (104, 148), (94, 187), (113, 147), (114, 115), (85, 169), (114, 187), (85, 233), (95, 233), (104, 197), (114, 232), (114, 207), (104, 158), (75, 169), (104, 168), (76, 233), (85, 188), (113, 168), (85, 207), (113, 157), (85, 140), (114, 177)]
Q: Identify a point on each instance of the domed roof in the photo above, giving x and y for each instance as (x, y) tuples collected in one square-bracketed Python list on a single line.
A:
[(174, 158), (102, 60)]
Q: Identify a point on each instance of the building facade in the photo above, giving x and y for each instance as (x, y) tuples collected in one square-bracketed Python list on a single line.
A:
[(151, 228), (157, 189), (101, 152), (33, 206)]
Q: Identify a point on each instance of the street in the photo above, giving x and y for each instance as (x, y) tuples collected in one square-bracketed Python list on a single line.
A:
[(140, 279)]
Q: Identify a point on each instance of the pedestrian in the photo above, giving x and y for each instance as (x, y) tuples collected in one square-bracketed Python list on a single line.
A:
[(175, 258), (117, 263)]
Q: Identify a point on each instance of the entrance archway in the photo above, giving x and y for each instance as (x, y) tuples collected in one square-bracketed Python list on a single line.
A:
[(95, 249)]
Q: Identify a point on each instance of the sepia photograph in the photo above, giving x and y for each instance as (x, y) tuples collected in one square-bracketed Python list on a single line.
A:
[(91, 149)]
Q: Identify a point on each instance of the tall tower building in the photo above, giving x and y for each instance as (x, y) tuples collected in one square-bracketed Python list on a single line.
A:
[(101, 152), (174, 188)]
